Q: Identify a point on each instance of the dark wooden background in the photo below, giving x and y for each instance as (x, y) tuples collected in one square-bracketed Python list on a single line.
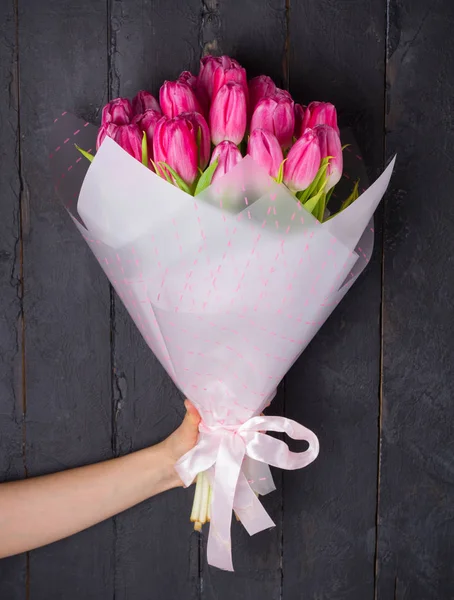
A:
[(372, 518)]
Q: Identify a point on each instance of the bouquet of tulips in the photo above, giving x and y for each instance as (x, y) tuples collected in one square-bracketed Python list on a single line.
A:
[(202, 126), (210, 211)]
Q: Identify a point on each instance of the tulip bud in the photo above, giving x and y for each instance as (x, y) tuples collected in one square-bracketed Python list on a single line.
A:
[(265, 149), (144, 101), (299, 119), (330, 145), (202, 136), (209, 65), (108, 130), (303, 162), (228, 114), (129, 137), (147, 122), (177, 97), (233, 73), (275, 114), (228, 156), (118, 111), (194, 83), (189, 78), (175, 143), (283, 94), (260, 87), (320, 113)]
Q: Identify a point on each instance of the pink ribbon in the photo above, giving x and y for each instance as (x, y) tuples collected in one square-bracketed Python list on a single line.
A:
[(232, 450)]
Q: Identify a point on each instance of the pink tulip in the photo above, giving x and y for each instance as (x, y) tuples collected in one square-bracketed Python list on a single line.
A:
[(260, 87), (147, 122), (320, 113), (177, 97), (275, 114), (108, 130), (228, 155), (299, 119), (202, 133), (209, 65), (129, 137), (175, 143), (144, 101), (189, 78), (194, 83), (330, 145), (228, 114), (279, 93), (265, 149), (303, 162), (118, 111), (233, 73)]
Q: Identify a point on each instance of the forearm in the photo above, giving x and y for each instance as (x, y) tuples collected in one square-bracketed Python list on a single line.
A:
[(37, 511)]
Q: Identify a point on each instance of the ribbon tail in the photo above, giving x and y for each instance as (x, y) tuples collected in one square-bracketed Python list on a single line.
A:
[(226, 473), (249, 508)]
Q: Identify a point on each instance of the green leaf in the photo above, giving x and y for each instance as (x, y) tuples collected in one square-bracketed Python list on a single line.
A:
[(329, 193), (160, 172), (280, 173), (206, 177), (179, 182), (321, 208), (353, 196), (87, 155), (311, 204), (345, 146), (144, 150), (318, 183)]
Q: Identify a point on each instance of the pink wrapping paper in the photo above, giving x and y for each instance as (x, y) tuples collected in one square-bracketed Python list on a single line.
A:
[(227, 289)]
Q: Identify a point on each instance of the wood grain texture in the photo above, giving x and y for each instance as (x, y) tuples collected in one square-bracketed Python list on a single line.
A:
[(92, 388), (13, 571), (63, 65), (149, 42), (337, 54), (416, 507)]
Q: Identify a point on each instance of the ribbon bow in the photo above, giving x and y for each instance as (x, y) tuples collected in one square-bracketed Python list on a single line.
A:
[(225, 447)]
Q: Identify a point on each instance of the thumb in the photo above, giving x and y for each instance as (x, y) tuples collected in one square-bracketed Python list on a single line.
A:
[(192, 417)]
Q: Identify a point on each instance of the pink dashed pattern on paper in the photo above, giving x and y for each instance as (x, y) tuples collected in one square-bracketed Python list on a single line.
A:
[(226, 299)]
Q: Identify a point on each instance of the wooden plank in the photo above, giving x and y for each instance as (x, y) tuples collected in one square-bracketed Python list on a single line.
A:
[(13, 571), (337, 55), (63, 65), (155, 546), (416, 499), (254, 34)]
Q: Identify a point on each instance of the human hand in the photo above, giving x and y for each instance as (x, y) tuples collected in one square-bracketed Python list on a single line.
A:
[(185, 437)]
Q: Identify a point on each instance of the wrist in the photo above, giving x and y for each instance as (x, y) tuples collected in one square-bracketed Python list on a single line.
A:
[(165, 456)]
